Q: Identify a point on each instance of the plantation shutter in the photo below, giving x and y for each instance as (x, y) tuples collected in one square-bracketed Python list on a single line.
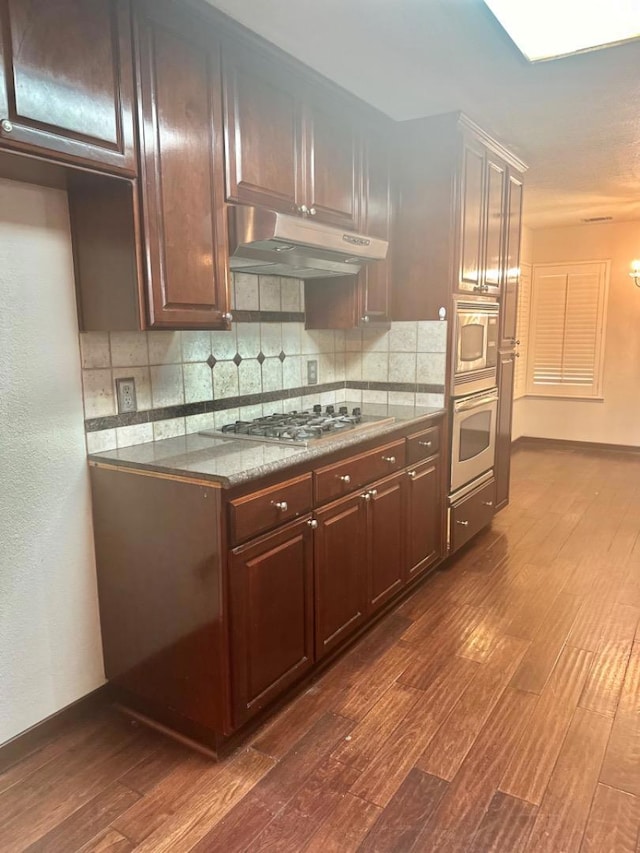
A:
[(566, 334)]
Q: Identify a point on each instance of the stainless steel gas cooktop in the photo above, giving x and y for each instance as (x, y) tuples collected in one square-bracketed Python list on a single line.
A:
[(299, 428)]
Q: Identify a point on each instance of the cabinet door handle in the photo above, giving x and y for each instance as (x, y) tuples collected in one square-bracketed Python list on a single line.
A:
[(463, 523), (364, 319), (411, 474), (487, 503), (6, 126), (516, 355), (373, 493), (390, 459), (313, 211), (313, 524), (303, 209), (228, 317), (344, 478), (283, 506), (366, 496), (425, 443)]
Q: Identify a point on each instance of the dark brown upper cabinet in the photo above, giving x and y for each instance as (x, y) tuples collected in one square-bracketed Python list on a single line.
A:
[(289, 146), (165, 236), (66, 82), (333, 162), (450, 232), (263, 131), (512, 263), (182, 181), (350, 302)]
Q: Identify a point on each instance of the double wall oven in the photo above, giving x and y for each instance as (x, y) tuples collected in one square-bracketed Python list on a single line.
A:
[(474, 391)]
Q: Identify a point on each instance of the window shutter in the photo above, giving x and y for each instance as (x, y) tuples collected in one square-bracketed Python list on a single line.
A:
[(566, 329)]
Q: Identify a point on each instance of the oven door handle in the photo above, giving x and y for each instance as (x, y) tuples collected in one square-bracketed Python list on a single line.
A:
[(475, 402)]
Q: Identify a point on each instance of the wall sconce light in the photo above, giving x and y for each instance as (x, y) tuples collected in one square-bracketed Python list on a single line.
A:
[(635, 272)]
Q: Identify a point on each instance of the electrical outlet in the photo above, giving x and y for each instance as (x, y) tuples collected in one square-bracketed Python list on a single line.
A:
[(126, 394), (312, 372)]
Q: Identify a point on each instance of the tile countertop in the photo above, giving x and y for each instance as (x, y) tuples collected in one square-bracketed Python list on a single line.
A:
[(231, 462)]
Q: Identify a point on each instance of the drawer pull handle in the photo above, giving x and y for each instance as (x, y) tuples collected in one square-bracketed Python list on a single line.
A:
[(283, 506), (366, 496), (425, 443), (390, 459), (6, 126), (313, 524), (411, 474), (373, 493), (463, 523), (487, 503), (344, 478)]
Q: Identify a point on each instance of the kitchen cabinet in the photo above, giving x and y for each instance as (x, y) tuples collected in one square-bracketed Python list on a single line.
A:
[(340, 550), (288, 146), (66, 82), (386, 535), (506, 373), (423, 529), (348, 302), (263, 131), (453, 214), (472, 512), (182, 187), (271, 616), (166, 235), (509, 305)]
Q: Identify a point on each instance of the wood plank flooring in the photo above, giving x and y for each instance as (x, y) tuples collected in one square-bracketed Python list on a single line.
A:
[(497, 709)]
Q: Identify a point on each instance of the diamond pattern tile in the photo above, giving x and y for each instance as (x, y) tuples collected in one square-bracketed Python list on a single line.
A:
[(237, 358), (261, 357), (212, 361), (282, 356)]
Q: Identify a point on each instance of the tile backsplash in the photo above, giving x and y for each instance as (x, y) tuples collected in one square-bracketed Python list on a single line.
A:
[(259, 366)]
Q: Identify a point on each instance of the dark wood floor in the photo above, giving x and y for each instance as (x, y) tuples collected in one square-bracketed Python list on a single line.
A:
[(498, 709)]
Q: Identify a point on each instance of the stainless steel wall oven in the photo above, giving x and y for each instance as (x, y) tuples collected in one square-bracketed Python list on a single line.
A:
[(473, 443)]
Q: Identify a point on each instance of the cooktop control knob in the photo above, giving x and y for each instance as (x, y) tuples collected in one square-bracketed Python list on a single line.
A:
[(356, 412), (344, 410), (330, 410), (317, 409)]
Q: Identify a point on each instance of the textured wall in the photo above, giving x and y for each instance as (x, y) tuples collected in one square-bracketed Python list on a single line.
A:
[(50, 651)]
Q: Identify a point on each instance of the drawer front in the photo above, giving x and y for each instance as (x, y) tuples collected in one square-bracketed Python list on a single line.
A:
[(471, 514), (264, 510), (339, 479), (423, 444)]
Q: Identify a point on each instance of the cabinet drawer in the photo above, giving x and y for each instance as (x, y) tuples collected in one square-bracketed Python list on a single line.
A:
[(423, 444), (264, 510), (350, 474), (470, 514)]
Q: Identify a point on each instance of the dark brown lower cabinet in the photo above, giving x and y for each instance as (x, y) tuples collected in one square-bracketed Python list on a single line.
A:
[(386, 538), (271, 616), (340, 571), (423, 516), (506, 370)]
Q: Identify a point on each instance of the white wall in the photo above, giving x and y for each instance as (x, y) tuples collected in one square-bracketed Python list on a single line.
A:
[(50, 652), (616, 420)]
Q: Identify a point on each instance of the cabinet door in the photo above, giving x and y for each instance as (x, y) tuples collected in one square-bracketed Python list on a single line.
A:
[(493, 262), (387, 539), (472, 207), (423, 517), (512, 262), (506, 370), (182, 175), (340, 572), (271, 616), (374, 280), (66, 81), (262, 132), (334, 164)]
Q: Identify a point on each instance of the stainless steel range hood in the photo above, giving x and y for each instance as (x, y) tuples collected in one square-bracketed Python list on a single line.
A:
[(264, 242)]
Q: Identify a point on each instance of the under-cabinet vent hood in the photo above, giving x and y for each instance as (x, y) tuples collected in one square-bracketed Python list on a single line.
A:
[(264, 242)]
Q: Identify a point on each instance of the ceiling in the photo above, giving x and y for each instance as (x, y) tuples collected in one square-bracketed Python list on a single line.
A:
[(575, 121)]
